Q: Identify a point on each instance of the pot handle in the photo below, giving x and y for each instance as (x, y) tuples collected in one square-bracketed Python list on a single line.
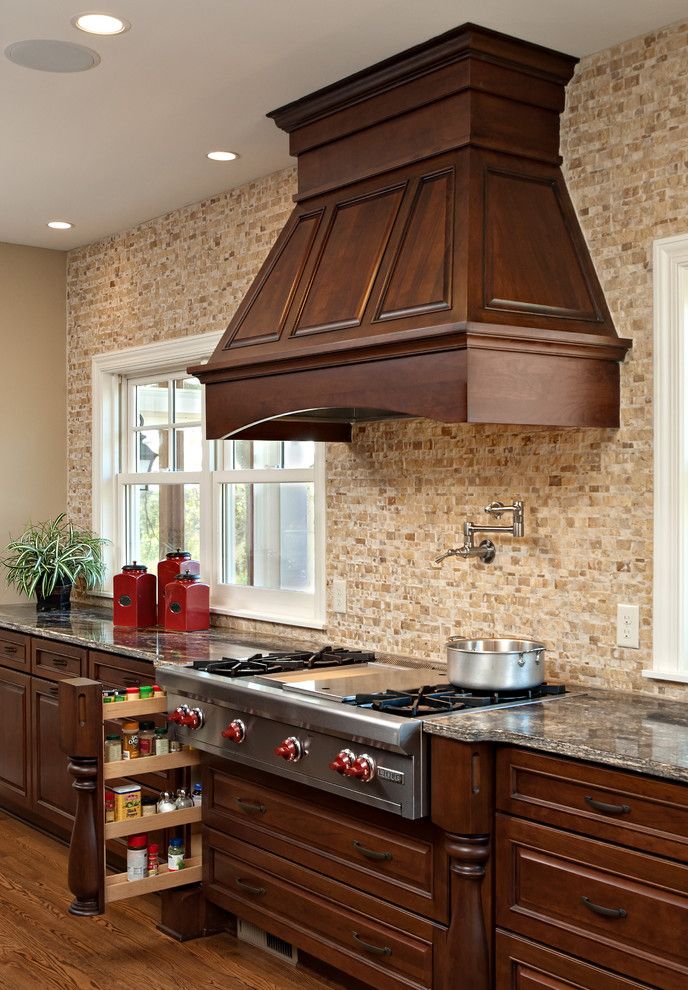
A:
[(523, 657)]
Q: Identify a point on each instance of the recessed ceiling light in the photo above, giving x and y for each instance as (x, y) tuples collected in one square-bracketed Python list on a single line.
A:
[(221, 156), (60, 224), (103, 24)]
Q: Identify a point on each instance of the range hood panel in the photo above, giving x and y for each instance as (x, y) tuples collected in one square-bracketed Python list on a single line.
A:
[(415, 286)]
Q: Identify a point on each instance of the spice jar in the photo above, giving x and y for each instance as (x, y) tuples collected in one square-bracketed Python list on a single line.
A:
[(134, 597), (120, 695), (161, 744), (145, 692), (166, 803), (187, 603), (153, 860), (178, 560), (149, 806), (175, 855), (158, 691), (197, 795), (146, 737), (137, 857), (133, 694), (183, 800), (130, 739), (113, 748)]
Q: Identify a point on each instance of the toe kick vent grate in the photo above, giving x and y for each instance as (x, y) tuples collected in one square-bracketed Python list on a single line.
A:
[(246, 932)]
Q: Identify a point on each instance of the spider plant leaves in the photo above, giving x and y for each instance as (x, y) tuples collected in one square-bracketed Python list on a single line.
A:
[(51, 553)]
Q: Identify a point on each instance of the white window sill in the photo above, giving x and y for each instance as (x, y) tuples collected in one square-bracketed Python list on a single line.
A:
[(666, 675), (239, 614)]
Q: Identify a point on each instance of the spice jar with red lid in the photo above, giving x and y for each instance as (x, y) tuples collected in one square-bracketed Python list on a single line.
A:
[(134, 597), (173, 564), (187, 603)]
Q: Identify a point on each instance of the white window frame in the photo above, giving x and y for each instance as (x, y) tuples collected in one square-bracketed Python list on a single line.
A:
[(108, 372), (670, 615)]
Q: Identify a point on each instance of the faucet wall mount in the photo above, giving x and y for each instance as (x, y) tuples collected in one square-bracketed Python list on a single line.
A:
[(485, 551)]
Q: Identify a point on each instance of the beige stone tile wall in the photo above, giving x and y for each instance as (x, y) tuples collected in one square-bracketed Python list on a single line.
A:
[(402, 491)]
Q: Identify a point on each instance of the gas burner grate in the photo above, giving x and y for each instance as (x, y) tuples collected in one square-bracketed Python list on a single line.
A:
[(279, 663), (443, 699)]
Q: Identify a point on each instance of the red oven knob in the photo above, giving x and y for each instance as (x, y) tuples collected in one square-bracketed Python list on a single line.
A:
[(192, 718), (235, 731), (363, 768), (342, 761), (290, 749)]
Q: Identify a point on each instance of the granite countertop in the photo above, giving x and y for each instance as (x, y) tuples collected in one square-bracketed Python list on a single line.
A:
[(92, 627), (629, 731)]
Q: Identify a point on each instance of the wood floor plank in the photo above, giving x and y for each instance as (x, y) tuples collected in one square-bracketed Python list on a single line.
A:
[(42, 947)]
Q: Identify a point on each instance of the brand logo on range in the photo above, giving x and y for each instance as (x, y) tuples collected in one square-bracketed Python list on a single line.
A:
[(384, 773)]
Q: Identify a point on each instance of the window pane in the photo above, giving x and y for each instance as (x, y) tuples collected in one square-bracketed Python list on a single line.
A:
[(152, 450), (299, 454), (242, 455), (187, 400), (268, 536), (152, 404), (160, 518), (188, 449)]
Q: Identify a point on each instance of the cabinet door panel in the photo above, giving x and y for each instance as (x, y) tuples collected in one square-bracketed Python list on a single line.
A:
[(14, 650), (15, 768), (54, 796), (524, 965)]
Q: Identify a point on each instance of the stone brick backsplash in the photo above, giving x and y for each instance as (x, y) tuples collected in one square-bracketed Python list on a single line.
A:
[(401, 491)]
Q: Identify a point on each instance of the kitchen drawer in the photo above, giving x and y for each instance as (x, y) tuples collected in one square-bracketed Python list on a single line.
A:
[(646, 814), (55, 661), (115, 671), (14, 650), (388, 862), (523, 965), (318, 915), (614, 907)]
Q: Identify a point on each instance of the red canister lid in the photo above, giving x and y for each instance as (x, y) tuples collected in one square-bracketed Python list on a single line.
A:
[(137, 842), (140, 568)]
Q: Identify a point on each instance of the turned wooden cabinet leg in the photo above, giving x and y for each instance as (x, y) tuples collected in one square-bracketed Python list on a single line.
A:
[(85, 863), (467, 949)]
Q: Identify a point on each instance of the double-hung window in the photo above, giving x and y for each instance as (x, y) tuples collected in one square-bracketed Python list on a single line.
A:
[(252, 512)]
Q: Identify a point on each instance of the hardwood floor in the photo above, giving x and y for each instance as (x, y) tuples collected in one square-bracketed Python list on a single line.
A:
[(44, 948)]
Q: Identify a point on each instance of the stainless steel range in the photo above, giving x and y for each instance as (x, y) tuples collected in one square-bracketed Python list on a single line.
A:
[(335, 720)]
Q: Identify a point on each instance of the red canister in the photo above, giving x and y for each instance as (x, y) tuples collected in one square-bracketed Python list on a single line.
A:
[(134, 597), (173, 564), (187, 603)]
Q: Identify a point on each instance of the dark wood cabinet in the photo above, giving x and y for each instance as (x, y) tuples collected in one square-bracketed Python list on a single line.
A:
[(54, 799), (55, 661), (524, 965), (119, 672), (14, 650), (15, 729)]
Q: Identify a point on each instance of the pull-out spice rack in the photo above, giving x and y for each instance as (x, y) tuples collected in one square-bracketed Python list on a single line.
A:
[(82, 715)]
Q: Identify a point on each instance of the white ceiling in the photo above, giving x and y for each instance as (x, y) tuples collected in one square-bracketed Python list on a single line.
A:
[(126, 141)]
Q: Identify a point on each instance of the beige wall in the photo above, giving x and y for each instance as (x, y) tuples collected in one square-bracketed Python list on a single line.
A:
[(33, 422), (402, 490)]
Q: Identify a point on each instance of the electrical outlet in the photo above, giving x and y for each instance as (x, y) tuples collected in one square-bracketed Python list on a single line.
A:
[(339, 595), (628, 626)]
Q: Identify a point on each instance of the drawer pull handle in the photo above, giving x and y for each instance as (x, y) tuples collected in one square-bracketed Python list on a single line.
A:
[(371, 853), (604, 911), (9, 649), (53, 690), (249, 887), (251, 807), (58, 662), (132, 681), (608, 809), (377, 950)]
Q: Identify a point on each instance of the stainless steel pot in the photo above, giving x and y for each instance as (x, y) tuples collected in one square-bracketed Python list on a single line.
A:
[(495, 664)]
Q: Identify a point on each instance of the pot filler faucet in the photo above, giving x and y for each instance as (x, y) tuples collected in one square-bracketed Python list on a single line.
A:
[(485, 551)]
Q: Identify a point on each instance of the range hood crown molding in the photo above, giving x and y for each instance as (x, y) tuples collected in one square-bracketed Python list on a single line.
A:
[(433, 264)]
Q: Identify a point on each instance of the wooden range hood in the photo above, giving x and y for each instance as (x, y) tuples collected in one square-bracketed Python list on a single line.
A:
[(433, 265)]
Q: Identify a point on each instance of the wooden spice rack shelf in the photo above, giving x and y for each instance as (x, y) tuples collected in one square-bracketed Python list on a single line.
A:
[(118, 888), (150, 764), (130, 709), (152, 823)]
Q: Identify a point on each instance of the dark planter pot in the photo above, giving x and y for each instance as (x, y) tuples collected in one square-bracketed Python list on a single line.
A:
[(58, 601)]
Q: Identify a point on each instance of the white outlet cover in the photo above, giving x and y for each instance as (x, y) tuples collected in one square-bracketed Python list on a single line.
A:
[(628, 626)]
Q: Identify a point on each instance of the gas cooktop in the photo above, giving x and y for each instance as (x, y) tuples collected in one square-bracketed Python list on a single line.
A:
[(278, 663)]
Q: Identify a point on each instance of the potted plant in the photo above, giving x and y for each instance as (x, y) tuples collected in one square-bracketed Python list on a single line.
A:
[(49, 557)]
